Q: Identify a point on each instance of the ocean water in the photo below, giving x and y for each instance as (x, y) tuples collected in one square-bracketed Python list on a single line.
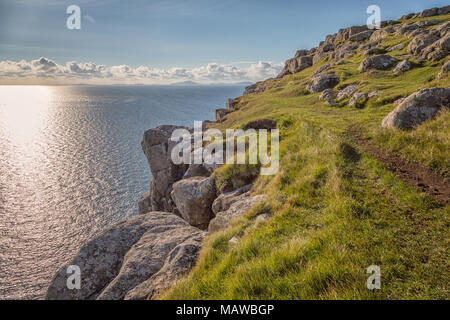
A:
[(71, 164)]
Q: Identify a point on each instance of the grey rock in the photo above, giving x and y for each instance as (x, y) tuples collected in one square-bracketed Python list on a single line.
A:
[(421, 42), (396, 47), (345, 34), (237, 209), (417, 108), (220, 114), (123, 256), (327, 94), (379, 62), (402, 67), (225, 200), (194, 198), (321, 82), (296, 65), (261, 124), (373, 94), (357, 99), (347, 91)]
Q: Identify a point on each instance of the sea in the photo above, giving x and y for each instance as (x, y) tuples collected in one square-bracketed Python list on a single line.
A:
[(71, 165)]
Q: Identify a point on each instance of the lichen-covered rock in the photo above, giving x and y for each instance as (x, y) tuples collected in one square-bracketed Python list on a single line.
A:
[(178, 263), (237, 209), (417, 108), (345, 34), (157, 148), (347, 91), (402, 67), (123, 256), (379, 62), (420, 42), (194, 198), (322, 81)]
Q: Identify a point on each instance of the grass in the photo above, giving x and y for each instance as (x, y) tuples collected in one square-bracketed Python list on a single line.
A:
[(334, 210)]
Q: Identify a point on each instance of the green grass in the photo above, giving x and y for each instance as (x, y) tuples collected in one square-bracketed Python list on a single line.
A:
[(334, 210)]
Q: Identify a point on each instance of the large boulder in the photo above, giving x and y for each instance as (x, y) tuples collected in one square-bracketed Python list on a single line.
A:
[(236, 210), (379, 62), (125, 255), (420, 42), (417, 108), (193, 198), (322, 81), (345, 34), (157, 148), (402, 67), (361, 36)]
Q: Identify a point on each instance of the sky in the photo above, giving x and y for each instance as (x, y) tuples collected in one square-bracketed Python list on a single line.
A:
[(160, 41)]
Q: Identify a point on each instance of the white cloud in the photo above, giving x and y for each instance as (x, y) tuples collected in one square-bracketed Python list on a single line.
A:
[(45, 70)]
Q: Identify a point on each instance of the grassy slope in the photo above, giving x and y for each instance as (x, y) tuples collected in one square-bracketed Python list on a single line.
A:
[(335, 211)]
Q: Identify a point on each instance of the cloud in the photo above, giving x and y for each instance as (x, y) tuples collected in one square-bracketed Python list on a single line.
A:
[(44, 70)]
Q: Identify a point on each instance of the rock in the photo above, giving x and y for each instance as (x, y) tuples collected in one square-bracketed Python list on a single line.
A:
[(381, 33), (225, 200), (379, 62), (237, 209), (321, 82), (231, 104), (361, 36), (421, 42), (197, 170), (444, 10), (445, 70), (417, 108), (261, 124), (373, 94), (255, 88), (429, 13), (157, 148), (262, 217), (327, 94), (408, 16), (396, 47), (194, 198), (220, 114), (402, 67), (123, 256), (144, 204), (296, 65), (301, 53), (233, 240), (178, 263), (357, 100), (345, 34), (347, 91)]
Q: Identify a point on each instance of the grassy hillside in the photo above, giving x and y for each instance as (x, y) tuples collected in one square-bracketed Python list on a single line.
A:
[(335, 210)]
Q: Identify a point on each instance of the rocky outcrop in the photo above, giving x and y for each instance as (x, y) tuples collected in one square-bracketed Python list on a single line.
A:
[(347, 91), (193, 198), (225, 200), (126, 255), (361, 36), (417, 108), (255, 88), (157, 148), (434, 12), (327, 94), (300, 62), (236, 210), (220, 114), (379, 62), (321, 82)]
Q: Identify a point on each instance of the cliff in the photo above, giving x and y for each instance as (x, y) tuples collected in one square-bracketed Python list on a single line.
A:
[(363, 180)]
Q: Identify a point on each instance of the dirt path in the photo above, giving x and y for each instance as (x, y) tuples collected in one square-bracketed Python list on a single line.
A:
[(413, 173)]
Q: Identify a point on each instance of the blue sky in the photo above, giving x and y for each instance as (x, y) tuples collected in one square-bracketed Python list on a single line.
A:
[(188, 34)]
